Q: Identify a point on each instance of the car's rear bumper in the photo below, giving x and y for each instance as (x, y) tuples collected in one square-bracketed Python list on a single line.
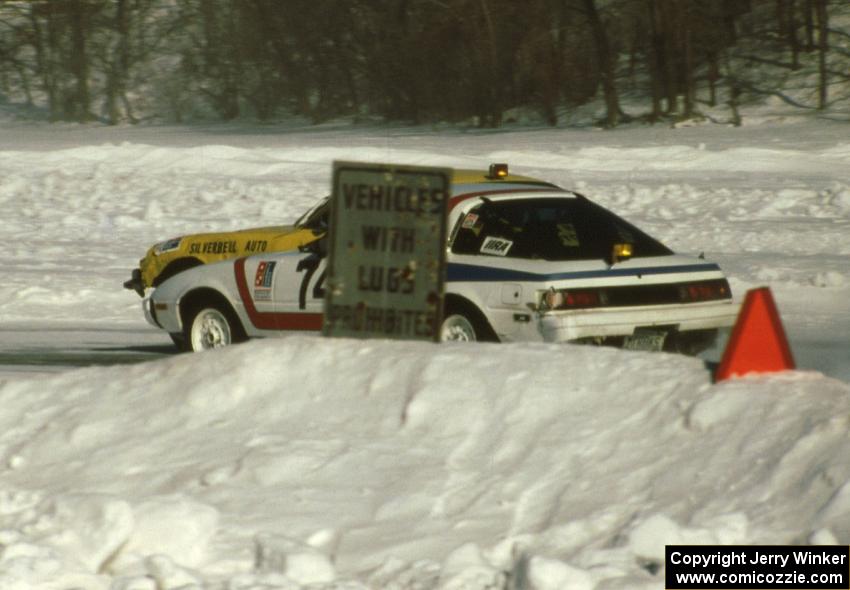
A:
[(564, 326)]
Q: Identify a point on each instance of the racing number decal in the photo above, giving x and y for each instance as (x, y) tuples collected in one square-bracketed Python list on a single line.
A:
[(310, 264)]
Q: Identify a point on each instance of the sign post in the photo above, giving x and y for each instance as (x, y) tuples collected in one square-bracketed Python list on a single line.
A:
[(387, 251)]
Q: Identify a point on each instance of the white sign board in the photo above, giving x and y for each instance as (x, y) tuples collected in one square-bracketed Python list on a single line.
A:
[(387, 251)]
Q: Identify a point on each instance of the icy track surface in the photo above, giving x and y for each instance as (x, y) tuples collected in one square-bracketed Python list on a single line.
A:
[(302, 462)]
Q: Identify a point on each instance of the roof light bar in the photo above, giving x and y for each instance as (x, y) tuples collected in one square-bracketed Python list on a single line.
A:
[(498, 171)]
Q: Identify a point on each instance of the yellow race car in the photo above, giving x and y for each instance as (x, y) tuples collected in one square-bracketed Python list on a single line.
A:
[(166, 259)]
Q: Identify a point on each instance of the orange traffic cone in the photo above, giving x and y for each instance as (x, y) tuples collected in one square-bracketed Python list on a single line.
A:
[(757, 343)]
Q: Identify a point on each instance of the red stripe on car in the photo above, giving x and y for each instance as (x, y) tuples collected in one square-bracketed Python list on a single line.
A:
[(273, 320)]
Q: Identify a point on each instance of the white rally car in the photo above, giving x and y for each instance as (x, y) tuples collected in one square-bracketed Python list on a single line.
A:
[(527, 261)]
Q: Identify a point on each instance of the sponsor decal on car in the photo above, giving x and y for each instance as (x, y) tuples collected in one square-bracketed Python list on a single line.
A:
[(214, 247), (256, 246), (263, 281), (470, 220)]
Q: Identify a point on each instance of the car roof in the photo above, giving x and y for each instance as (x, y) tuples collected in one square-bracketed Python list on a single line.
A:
[(467, 184), (464, 177)]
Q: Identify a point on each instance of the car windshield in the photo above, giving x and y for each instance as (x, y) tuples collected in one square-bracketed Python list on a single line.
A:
[(315, 218), (548, 229)]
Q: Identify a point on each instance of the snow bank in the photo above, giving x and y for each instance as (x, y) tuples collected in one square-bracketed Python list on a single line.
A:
[(340, 464), (384, 464)]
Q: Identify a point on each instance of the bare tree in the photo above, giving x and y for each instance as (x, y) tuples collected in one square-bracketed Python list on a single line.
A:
[(823, 47), (413, 60), (606, 64)]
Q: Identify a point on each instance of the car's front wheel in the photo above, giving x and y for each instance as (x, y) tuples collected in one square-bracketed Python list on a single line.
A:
[(179, 340), (211, 327)]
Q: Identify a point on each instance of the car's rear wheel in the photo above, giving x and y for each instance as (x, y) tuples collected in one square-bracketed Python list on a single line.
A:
[(458, 328), (464, 322), (210, 327)]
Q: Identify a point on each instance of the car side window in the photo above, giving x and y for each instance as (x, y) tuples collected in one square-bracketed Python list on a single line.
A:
[(547, 229), (469, 236)]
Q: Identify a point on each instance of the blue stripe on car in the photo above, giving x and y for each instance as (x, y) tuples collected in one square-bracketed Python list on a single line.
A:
[(472, 273)]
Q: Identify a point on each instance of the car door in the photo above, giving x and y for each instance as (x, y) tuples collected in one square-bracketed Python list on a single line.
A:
[(281, 292), (298, 291), (255, 276)]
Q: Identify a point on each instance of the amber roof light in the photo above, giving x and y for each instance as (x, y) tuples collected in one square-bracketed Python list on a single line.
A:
[(498, 171)]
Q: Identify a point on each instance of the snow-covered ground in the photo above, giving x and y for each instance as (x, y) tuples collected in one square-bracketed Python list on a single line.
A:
[(341, 464)]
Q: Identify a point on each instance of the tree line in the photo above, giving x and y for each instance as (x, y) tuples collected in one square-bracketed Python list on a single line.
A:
[(417, 61)]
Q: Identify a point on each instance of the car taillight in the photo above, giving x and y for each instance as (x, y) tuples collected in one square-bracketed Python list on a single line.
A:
[(572, 299), (581, 298), (705, 291), (635, 295)]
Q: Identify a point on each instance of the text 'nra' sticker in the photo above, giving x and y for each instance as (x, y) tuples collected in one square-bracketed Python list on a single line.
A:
[(496, 246), (469, 221)]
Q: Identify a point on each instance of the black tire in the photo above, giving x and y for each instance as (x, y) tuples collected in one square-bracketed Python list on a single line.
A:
[(691, 343), (211, 325), (179, 341)]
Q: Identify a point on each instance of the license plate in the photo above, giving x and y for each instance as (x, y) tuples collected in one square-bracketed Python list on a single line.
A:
[(651, 341)]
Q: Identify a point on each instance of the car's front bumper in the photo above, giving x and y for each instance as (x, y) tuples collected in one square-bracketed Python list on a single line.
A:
[(135, 283), (162, 312), (564, 326)]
